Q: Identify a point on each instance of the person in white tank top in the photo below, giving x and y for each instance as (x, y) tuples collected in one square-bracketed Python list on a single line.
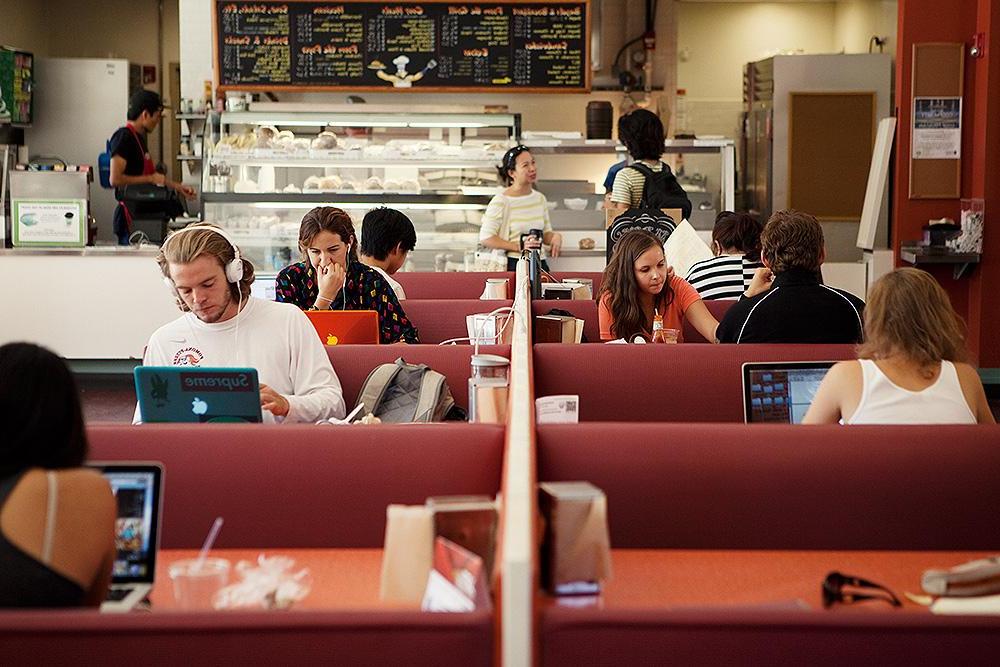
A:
[(909, 369)]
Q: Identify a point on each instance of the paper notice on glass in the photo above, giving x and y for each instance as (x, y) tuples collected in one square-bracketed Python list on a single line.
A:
[(937, 128), (684, 248)]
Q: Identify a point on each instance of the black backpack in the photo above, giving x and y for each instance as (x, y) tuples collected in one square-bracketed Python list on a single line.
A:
[(659, 191)]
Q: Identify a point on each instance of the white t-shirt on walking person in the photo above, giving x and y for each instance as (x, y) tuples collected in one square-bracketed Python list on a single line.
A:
[(396, 287), (526, 212), (275, 338)]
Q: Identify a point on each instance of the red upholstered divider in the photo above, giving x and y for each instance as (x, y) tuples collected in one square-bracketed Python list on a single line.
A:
[(251, 638), (687, 382), (593, 636), (450, 285), (301, 485), (762, 486), (353, 363), (438, 320)]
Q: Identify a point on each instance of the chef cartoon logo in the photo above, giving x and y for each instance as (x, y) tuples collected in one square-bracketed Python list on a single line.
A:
[(188, 356)]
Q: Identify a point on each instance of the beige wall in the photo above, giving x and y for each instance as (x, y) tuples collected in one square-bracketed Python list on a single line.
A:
[(715, 40), (23, 24), (124, 29), (856, 21)]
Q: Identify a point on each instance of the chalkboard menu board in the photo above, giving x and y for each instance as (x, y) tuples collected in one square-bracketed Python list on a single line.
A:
[(419, 46)]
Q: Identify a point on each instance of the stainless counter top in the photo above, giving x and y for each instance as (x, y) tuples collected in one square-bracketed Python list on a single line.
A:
[(89, 251)]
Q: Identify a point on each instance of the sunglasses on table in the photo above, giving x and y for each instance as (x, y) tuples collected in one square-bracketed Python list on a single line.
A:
[(835, 582)]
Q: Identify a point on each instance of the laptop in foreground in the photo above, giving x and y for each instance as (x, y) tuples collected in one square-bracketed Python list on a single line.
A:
[(192, 394), (345, 327), (138, 497), (780, 392)]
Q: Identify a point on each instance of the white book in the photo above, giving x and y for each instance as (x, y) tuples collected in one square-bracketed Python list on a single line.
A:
[(684, 248)]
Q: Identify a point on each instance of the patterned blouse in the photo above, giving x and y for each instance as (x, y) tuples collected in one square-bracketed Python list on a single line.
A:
[(365, 289)]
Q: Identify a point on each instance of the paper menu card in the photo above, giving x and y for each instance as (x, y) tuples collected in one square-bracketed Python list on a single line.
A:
[(684, 249)]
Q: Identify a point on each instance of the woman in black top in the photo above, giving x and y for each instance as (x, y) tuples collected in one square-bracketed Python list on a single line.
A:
[(57, 519)]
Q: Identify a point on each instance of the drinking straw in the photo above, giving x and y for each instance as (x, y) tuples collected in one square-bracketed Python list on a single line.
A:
[(209, 541)]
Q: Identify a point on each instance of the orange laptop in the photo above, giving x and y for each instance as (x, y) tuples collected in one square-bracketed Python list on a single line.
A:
[(344, 327)]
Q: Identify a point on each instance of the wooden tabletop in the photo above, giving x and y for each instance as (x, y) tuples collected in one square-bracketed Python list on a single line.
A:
[(343, 579), (679, 578)]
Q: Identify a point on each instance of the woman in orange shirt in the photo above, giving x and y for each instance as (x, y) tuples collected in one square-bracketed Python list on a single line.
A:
[(637, 283)]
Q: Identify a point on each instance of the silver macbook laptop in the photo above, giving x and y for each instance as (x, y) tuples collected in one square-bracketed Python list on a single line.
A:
[(780, 392), (138, 495)]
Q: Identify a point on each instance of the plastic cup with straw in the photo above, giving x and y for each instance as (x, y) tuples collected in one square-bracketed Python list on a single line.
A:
[(197, 580)]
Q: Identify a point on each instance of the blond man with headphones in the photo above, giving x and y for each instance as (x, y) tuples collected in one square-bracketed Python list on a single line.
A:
[(223, 326)]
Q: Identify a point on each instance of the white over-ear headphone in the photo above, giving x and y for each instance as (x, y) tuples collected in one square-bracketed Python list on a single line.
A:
[(233, 268)]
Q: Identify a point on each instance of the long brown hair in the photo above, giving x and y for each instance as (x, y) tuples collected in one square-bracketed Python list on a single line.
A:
[(327, 219), (909, 314), (618, 283)]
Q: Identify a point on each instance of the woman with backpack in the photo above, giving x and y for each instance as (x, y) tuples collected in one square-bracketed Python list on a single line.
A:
[(642, 133), (639, 292), (517, 219)]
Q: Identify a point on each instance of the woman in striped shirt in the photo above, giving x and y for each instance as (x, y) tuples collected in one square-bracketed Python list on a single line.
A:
[(519, 209), (736, 245)]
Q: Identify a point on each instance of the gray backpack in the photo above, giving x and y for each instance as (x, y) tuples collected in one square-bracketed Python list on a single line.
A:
[(400, 393)]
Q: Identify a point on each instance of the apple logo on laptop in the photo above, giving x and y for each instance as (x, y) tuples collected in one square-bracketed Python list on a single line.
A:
[(198, 406), (331, 339)]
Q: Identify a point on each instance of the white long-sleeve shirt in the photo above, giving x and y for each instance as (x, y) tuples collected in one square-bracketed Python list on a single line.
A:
[(275, 338)]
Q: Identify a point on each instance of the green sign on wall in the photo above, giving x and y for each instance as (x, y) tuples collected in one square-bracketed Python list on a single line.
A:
[(16, 81)]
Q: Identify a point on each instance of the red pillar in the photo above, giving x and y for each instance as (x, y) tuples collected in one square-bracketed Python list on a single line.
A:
[(976, 296)]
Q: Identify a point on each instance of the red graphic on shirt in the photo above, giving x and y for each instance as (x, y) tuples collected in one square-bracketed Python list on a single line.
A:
[(188, 356)]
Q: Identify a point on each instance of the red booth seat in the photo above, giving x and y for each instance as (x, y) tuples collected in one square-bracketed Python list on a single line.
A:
[(301, 485), (762, 486), (353, 363), (451, 285), (276, 638), (688, 382), (593, 636), (438, 320)]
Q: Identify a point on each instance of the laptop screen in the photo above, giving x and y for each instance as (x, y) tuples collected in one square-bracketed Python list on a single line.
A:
[(345, 327), (137, 496), (196, 394), (780, 393)]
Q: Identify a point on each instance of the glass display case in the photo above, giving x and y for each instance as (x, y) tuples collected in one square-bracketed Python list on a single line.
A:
[(265, 168)]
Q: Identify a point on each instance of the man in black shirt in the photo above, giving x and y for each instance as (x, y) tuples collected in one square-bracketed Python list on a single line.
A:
[(787, 301), (131, 164)]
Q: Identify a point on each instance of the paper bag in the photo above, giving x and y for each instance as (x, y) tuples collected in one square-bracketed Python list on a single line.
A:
[(408, 554)]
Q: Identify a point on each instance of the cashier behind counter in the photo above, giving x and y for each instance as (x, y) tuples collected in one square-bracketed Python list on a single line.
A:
[(133, 173)]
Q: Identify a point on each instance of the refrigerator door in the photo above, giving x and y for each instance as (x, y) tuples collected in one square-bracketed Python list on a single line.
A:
[(79, 103)]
